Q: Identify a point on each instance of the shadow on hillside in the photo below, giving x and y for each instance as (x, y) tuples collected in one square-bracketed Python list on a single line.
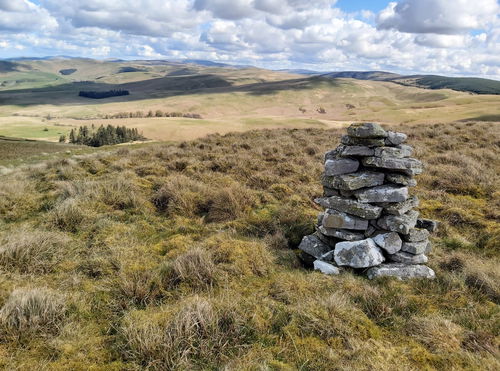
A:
[(67, 94)]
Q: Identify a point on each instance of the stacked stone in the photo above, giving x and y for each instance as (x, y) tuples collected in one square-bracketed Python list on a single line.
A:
[(369, 220)]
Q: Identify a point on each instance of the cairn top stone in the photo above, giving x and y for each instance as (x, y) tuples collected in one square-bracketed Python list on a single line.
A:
[(366, 130)]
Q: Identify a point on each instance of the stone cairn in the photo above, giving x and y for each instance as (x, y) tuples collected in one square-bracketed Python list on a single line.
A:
[(369, 222)]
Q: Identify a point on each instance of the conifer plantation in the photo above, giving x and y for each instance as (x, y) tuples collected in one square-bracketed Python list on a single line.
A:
[(104, 135)]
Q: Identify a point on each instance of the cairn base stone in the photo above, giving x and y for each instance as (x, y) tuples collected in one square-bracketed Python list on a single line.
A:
[(313, 246), (407, 258), (325, 267), (358, 254), (400, 271)]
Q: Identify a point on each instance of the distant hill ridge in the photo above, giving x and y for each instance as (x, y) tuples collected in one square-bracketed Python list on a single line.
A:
[(466, 84)]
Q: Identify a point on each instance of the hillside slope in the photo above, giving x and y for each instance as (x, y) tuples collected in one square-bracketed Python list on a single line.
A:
[(183, 257)]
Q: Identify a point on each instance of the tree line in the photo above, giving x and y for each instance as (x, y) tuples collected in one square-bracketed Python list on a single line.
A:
[(103, 135), (103, 94), (157, 113)]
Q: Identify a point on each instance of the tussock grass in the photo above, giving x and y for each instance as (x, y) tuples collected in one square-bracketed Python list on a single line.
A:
[(32, 311), (194, 268), (183, 257), (33, 251)]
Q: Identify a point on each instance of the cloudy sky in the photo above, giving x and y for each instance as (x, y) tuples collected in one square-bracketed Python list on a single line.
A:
[(452, 37)]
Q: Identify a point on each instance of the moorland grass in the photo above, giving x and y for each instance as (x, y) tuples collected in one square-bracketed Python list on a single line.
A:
[(182, 256)]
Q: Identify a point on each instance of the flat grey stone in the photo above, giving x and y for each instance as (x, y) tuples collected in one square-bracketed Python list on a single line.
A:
[(366, 130), (356, 151), (399, 223), (350, 141), (410, 166), (415, 248), (340, 166), (352, 207), (340, 220), (332, 154), (325, 267), (313, 246), (401, 208), (341, 234), (390, 242), (400, 271), (327, 192), (430, 225), (395, 138), (407, 258), (353, 181), (416, 235), (358, 254), (400, 151), (383, 193), (398, 178)]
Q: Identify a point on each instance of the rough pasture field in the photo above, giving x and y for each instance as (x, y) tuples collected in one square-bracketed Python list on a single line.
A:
[(183, 256)]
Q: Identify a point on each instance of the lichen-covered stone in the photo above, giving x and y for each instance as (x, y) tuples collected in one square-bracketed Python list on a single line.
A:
[(395, 138), (400, 271), (358, 254), (340, 166), (415, 248), (356, 151), (383, 193), (399, 223), (352, 207), (366, 130), (400, 151), (367, 142), (407, 258), (313, 246), (390, 242), (340, 234), (400, 208), (341, 220), (416, 235), (325, 267), (409, 166), (402, 179), (353, 181)]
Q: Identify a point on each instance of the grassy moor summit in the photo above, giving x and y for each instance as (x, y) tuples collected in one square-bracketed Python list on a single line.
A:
[(255, 185)]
